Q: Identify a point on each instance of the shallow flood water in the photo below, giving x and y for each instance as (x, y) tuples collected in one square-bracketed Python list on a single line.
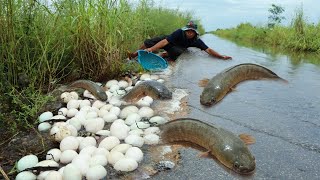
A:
[(284, 118)]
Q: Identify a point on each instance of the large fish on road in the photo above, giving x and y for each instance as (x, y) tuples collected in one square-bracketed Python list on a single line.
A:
[(223, 82)]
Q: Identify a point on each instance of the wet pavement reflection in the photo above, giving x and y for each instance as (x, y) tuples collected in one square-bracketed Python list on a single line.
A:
[(284, 118)]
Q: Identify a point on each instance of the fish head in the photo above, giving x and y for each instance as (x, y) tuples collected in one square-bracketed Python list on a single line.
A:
[(210, 95), (238, 159)]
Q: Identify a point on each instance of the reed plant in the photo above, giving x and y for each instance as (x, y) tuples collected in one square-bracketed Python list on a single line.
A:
[(44, 43), (299, 36)]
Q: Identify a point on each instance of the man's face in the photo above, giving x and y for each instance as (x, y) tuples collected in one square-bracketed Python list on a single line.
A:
[(190, 34)]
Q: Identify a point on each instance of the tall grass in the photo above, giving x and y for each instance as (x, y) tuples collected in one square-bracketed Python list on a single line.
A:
[(298, 37), (45, 43)]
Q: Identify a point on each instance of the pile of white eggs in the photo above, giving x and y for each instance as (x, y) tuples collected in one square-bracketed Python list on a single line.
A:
[(119, 146)]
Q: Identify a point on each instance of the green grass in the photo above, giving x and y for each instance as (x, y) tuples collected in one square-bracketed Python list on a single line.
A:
[(42, 45), (298, 37)]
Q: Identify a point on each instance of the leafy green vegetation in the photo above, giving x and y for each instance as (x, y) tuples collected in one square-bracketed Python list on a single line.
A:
[(299, 36), (46, 43)]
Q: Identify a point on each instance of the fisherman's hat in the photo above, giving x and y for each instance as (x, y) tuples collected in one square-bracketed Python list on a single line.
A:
[(191, 26)]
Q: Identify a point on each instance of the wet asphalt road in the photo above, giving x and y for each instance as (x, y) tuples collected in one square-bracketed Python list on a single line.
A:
[(284, 118)]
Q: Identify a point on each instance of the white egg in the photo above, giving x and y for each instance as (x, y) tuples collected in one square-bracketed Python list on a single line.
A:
[(71, 172), (146, 112), (59, 117), (119, 129), (87, 141), (26, 175), (50, 163), (114, 88), (94, 125), (102, 112), (122, 148), (158, 120), (73, 130), (134, 140), (75, 122), (84, 103), (43, 175), (115, 101), (82, 163), (114, 156), (53, 175), (138, 132), (106, 107), (88, 150), (126, 165), (140, 125), (54, 154), (101, 151), (148, 99), (160, 80), (69, 143), (74, 95), (87, 94), (45, 126), (127, 111), (67, 156), (143, 103), (132, 118), (98, 104), (134, 153), (96, 172), (123, 84), (98, 160), (111, 82), (72, 112), (73, 104), (115, 110), (145, 76), (109, 142), (91, 115), (151, 139), (27, 162), (152, 130), (63, 111), (85, 109), (45, 116), (110, 117), (59, 132), (103, 133)]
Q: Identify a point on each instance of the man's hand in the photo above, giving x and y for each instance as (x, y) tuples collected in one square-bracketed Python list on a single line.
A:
[(226, 57)]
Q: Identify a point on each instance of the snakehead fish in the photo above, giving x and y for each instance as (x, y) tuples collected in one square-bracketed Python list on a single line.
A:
[(228, 148), (223, 82), (151, 88), (96, 90)]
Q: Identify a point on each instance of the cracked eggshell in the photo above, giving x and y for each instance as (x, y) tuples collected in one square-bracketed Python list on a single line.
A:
[(60, 132), (63, 111), (54, 154), (50, 163), (158, 120)]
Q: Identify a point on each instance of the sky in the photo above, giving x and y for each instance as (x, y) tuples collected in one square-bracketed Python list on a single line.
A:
[(223, 14)]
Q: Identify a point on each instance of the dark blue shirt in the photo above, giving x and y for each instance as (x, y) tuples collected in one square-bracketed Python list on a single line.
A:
[(178, 38)]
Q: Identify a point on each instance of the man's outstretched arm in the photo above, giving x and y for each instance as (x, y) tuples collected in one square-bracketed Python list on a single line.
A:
[(216, 54)]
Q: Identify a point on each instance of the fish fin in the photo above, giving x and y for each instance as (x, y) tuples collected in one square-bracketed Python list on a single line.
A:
[(203, 82), (204, 154), (247, 138)]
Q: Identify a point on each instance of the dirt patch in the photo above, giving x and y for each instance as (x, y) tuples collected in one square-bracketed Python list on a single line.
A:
[(14, 147)]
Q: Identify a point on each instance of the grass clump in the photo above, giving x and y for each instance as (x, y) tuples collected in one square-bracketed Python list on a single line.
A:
[(46, 43), (297, 37)]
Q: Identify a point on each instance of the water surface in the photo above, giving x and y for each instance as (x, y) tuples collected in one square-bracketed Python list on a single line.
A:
[(284, 118)]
